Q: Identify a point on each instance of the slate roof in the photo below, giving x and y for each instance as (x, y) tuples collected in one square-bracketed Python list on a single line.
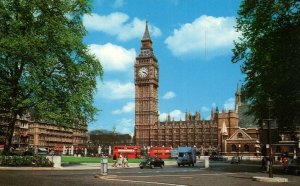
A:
[(246, 120)]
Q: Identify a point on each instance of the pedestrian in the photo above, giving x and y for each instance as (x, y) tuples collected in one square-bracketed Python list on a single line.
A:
[(115, 160), (125, 161), (120, 161), (263, 163)]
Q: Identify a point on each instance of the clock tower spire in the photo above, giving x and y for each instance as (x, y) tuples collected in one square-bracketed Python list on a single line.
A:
[(146, 91)]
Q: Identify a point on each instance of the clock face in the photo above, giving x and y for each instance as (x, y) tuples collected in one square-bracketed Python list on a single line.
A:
[(143, 72)]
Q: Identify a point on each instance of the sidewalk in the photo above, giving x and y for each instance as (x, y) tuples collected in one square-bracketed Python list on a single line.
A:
[(80, 166)]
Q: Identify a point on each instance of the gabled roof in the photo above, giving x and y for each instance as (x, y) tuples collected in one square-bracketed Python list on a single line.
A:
[(245, 136)]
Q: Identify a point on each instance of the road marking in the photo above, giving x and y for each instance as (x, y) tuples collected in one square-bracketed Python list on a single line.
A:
[(176, 175), (185, 177), (146, 182), (148, 171)]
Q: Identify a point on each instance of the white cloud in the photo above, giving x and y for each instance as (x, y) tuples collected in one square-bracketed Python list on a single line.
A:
[(229, 104), (118, 24), (205, 35), (116, 90), (129, 107), (169, 95), (113, 57), (175, 114), (125, 126)]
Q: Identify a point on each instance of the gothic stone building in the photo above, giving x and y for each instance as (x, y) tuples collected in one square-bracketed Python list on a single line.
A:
[(221, 134)]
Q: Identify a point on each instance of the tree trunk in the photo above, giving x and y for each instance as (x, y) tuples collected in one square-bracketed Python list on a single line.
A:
[(9, 135)]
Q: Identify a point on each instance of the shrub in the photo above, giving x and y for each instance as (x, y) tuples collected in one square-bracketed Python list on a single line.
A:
[(18, 161), (41, 161)]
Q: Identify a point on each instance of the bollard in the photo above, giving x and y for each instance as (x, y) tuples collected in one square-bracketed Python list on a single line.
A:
[(206, 162), (56, 161), (104, 166)]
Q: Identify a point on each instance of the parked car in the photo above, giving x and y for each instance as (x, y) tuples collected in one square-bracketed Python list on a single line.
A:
[(152, 162), (217, 158), (292, 166), (235, 160)]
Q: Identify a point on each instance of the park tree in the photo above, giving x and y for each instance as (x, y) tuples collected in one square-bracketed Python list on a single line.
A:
[(269, 50), (104, 137), (45, 68)]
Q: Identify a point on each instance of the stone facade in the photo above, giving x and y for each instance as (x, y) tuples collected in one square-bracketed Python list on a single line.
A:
[(30, 133), (146, 91), (219, 135)]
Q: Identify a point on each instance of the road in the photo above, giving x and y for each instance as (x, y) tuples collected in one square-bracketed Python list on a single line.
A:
[(223, 174)]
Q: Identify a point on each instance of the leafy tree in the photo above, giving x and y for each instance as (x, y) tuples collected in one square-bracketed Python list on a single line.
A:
[(104, 137), (269, 50), (45, 67)]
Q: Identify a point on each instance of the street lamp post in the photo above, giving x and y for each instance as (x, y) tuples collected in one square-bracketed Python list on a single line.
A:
[(299, 146), (269, 140)]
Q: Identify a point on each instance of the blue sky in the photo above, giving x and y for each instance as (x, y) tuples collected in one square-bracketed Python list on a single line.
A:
[(192, 40)]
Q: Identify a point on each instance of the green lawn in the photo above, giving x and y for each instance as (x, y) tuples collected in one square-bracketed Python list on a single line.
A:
[(73, 159)]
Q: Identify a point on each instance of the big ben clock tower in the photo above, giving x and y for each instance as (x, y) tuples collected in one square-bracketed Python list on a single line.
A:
[(146, 91)]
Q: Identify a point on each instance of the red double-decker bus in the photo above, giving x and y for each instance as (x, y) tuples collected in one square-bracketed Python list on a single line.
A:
[(129, 151), (162, 152)]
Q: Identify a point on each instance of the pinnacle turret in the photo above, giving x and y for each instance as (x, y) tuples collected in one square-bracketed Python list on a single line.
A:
[(146, 33)]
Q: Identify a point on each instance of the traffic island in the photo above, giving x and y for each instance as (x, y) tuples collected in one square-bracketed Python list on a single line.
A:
[(268, 179)]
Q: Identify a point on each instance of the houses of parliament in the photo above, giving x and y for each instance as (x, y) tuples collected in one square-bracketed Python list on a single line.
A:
[(220, 134)]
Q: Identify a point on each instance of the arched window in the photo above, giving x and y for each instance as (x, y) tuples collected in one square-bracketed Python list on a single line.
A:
[(246, 148), (233, 148), (239, 135)]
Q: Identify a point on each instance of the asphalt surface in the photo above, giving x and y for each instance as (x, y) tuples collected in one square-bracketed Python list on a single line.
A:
[(219, 173)]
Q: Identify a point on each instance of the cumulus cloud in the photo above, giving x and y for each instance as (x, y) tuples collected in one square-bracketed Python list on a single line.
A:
[(175, 114), (229, 104), (116, 90), (113, 57), (169, 95), (129, 107), (125, 126), (118, 24), (205, 35)]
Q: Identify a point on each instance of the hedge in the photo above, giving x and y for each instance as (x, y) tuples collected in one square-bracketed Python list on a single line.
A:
[(25, 161)]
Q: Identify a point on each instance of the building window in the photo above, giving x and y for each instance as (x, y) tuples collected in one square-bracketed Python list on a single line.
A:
[(246, 148), (233, 148), (239, 135), (278, 149)]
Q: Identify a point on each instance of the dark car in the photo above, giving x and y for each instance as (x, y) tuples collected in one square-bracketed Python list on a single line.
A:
[(217, 158), (235, 160), (292, 166), (152, 162)]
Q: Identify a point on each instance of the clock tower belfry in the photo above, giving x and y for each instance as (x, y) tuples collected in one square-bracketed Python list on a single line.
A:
[(146, 91)]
